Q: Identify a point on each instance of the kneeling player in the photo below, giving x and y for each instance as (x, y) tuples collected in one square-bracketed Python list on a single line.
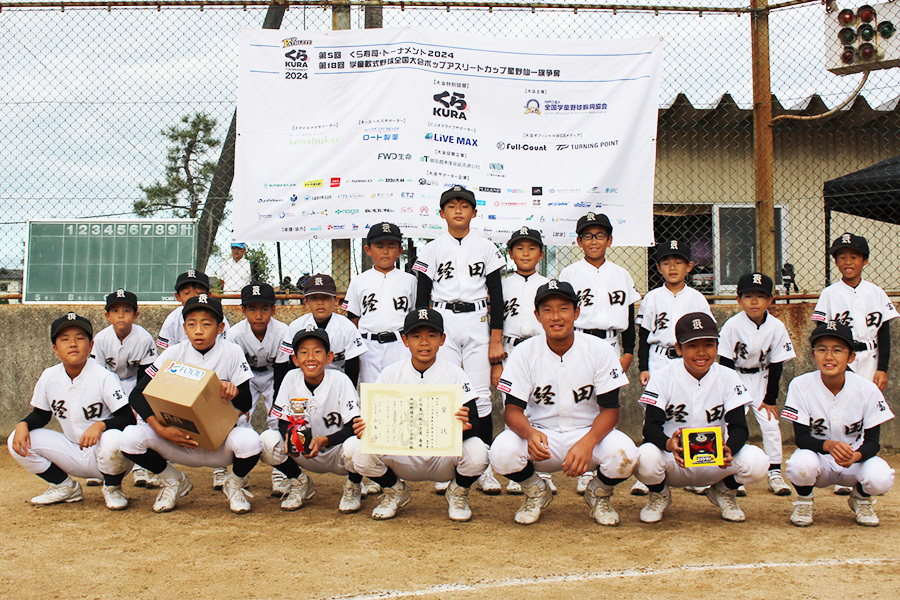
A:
[(837, 417), (92, 409), (323, 403), (696, 392), (562, 406), (423, 334), (152, 443)]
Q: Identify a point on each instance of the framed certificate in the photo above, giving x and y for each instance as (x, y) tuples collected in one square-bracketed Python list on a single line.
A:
[(411, 420), (702, 446)]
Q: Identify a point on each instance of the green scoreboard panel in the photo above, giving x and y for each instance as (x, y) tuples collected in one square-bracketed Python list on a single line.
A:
[(83, 260)]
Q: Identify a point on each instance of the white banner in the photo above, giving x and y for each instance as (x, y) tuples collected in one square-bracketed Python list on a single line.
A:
[(338, 130)]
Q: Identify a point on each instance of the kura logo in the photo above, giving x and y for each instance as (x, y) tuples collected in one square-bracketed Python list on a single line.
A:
[(452, 105)]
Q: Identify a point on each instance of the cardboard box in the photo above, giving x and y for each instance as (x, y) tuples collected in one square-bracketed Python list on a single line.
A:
[(190, 398)]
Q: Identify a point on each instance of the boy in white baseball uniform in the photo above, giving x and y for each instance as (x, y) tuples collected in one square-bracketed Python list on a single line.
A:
[(756, 345), (315, 409), (837, 417), (423, 334), (562, 406), (459, 274), (189, 284), (151, 444), (379, 299), (696, 392), (259, 335), (606, 294), (862, 306), (125, 349), (92, 409)]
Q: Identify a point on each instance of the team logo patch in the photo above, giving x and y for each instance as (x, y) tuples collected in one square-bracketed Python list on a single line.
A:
[(420, 266), (790, 413), (649, 398), (151, 371), (120, 293), (504, 386)]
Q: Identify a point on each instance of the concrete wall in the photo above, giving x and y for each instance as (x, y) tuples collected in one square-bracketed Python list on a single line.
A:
[(25, 352)]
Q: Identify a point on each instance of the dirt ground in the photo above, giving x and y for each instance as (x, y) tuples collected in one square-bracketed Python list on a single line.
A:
[(201, 550)]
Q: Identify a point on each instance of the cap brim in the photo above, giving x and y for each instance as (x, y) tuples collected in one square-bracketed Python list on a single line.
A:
[(79, 324), (704, 336)]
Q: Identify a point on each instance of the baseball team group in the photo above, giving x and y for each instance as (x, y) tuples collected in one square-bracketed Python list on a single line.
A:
[(557, 350)]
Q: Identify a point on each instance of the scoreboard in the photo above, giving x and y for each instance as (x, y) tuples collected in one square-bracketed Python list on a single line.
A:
[(83, 260)]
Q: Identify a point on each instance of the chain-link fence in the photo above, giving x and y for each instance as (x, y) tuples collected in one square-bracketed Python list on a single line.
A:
[(87, 93)]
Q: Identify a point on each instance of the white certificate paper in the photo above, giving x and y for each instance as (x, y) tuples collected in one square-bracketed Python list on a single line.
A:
[(411, 420)]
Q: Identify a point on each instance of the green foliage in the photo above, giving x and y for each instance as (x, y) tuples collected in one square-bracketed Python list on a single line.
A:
[(261, 267), (188, 172)]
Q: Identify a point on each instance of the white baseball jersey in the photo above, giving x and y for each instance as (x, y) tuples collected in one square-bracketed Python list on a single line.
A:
[(458, 268), (604, 294), (561, 393), (440, 373), (691, 403), (328, 408), (172, 330), (126, 357), (660, 310), (235, 274), (863, 308), (225, 358), (343, 337), (518, 314), (78, 403), (381, 300), (755, 346), (842, 417), (259, 354)]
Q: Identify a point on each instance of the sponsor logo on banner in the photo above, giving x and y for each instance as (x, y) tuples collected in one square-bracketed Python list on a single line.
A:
[(537, 190), (266, 200), (452, 105), (380, 137), (524, 147), (335, 182), (559, 106), (490, 190), (446, 138), (314, 141), (590, 146), (293, 41), (314, 183), (533, 107), (393, 156), (495, 166)]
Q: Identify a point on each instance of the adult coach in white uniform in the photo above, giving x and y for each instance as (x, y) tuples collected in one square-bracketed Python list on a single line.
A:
[(124, 357), (235, 273), (562, 406)]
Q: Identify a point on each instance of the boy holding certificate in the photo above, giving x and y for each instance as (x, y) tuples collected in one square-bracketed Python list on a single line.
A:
[(423, 334)]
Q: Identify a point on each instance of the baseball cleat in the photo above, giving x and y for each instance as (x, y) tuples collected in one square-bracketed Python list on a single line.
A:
[(513, 488), (657, 503), (842, 490), (440, 487), (802, 515), (238, 496), (351, 499), (141, 476), (537, 497), (776, 483), (369, 487), (639, 489), (392, 499), (114, 498), (597, 496), (458, 499), (726, 500), (67, 491), (487, 483), (219, 476), (93, 482), (170, 490), (864, 509), (281, 486), (583, 480), (548, 479), (741, 492), (299, 490)]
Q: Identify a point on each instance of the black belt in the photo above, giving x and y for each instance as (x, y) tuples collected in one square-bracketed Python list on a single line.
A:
[(750, 371), (384, 337), (668, 351), (863, 346), (259, 369), (600, 333), (461, 307), (513, 340)]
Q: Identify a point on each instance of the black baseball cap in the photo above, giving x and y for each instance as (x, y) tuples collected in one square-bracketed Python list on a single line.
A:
[(121, 296), (320, 283), (554, 287), (71, 320), (192, 276), (695, 326), (593, 220), (834, 329), (525, 234), (203, 302), (311, 331), (423, 317), (850, 240), (257, 292), (755, 282), (458, 191), (672, 247), (383, 231)]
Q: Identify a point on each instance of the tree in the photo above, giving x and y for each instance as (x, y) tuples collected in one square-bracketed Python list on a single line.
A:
[(188, 172)]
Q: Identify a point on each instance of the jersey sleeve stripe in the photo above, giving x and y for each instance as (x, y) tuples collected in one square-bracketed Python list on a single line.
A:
[(818, 316), (151, 371), (651, 399), (420, 266)]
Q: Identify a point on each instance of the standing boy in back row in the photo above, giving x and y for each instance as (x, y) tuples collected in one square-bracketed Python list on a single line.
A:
[(459, 274)]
